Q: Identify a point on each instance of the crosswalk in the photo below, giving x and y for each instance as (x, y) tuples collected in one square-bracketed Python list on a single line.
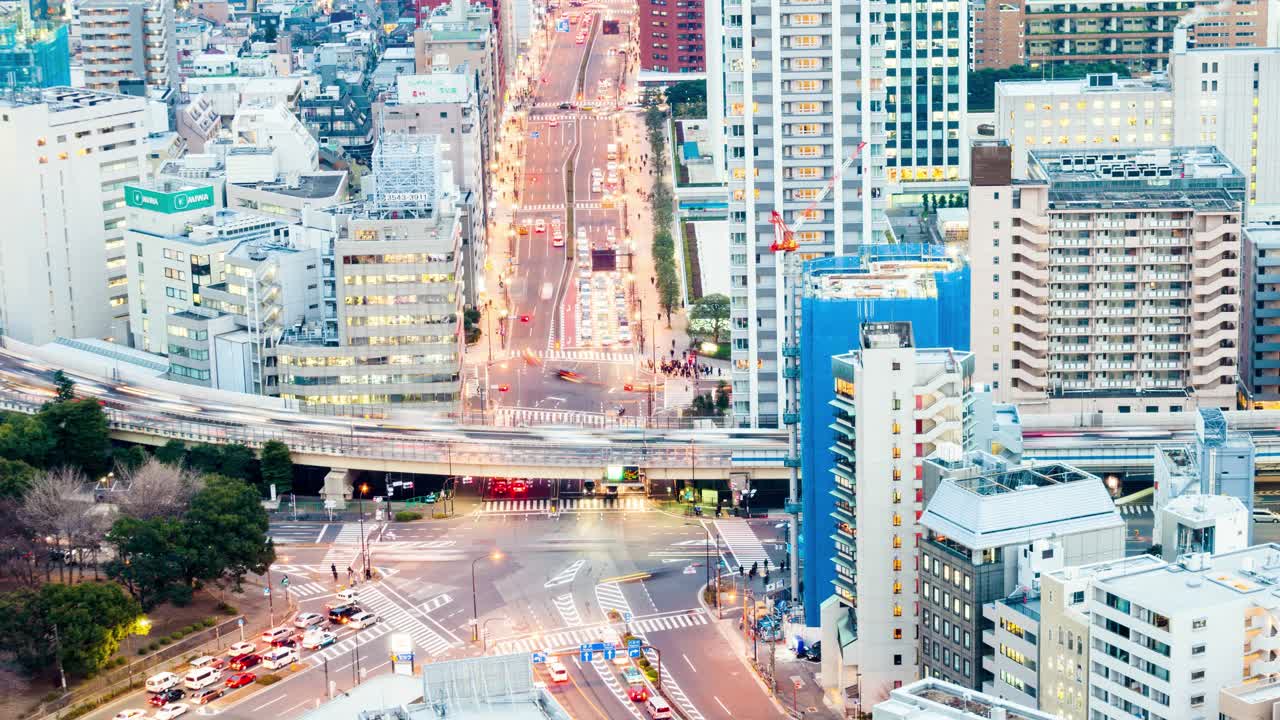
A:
[(516, 417), (344, 647), (588, 356), (610, 598), (1134, 509), (566, 576), (569, 614), (291, 533), (436, 603), (565, 505), (573, 637), (345, 548), (412, 551), (425, 639), (547, 207), (742, 541), (308, 589)]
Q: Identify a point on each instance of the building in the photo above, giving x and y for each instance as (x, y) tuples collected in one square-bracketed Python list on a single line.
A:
[(1039, 33), (793, 116), (990, 531), (1198, 523), (390, 330), (272, 125), (1224, 97), (919, 283), (1063, 635), (926, 95), (672, 36), (339, 117), (1218, 462), (1011, 647), (457, 34), (197, 124), (1251, 701), (1083, 114), (62, 266), (1260, 359), (128, 40), (1111, 277), (930, 699), (34, 53), (895, 404), (1166, 639)]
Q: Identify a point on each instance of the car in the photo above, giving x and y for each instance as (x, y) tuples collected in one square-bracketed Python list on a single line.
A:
[(341, 614), (239, 680), (241, 648), (557, 239), (569, 376), (597, 173), (539, 225), (582, 39), (164, 697), (522, 229), (277, 632), (246, 661), (317, 639), (207, 695), (558, 672), (813, 653), (363, 620), (168, 712), (352, 595), (307, 619), (566, 106), (291, 641), (216, 663), (554, 123), (131, 714), (519, 487), (638, 693), (162, 681), (1263, 515)]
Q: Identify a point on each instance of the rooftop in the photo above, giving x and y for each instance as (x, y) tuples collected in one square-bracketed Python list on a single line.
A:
[(1202, 580), (317, 186), (1198, 509), (886, 335), (935, 699), (1262, 692), (879, 272), (1200, 177), (1090, 84), (62, 99)]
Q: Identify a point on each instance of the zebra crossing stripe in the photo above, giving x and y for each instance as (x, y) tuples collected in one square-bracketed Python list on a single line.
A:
[(342, 647), (742, 541), (564, 505), (308, 589), (567, 609), (424, 637), (436, 602), (567, 575)]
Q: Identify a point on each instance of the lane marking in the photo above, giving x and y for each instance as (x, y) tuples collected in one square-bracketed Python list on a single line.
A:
[(686, 659), (270, 702), (321, 534), (726, 710)]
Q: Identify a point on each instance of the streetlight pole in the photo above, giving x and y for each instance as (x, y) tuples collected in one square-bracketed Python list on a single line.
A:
[(364, 545), (496, 555)]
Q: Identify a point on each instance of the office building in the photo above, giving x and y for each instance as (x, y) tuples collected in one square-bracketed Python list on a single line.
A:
[(1198, 523), (990, 531), (1011, 647), (882, 283), (895, 404), (926, 98), (1063, 634), (34, 53), (390, 330), (1083, 114), (930, 699), (1260, 360), (461, 35), (1165, 640), (339, 117), (1111, 278), (1217, 462), (62, 266), (671, 36), (800, 96), (272, 125), (128, 40), (1227, 97)]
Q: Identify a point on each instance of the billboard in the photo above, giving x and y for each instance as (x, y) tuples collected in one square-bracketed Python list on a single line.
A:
[(168, 202), (437, 88)]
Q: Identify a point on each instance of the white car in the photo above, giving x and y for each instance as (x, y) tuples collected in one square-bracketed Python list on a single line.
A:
[(132, 714), (306, 620), (362, 620), (241, 648), (274, 634), (314, 639), (170, 711), (559, 673)]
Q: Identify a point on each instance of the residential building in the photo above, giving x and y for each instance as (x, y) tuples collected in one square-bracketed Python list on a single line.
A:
[(508, 30), (995, 40), (273, 125), (458, 34), (128, 40), (1217, 462), (390, 330), (1165, 640), (1197, 523), (879, 283), (930, 699), (339, 117), (1063, 637), (1260, 360), (197, 123), (1225, 97), (1012, 648), (62, 266), (671, 36), (895, 404), (1111, 278), (797, 105), (1250, 701), (990, 530), (926, 97), (1083, 114)]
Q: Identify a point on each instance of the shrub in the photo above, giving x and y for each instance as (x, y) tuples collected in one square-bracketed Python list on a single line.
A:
[(210, 622), (227, 609), (268, 679), (153, 646), (163, 641), (142, 651), (407, 516)]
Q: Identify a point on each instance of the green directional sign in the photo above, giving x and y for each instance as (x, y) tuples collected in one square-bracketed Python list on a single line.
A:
[(285, 581), (168, 202)]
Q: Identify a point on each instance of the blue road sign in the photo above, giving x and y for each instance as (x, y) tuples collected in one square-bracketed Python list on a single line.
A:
[(584, 656), (562, 25), (609, 652), (240, 622), (635, 643), (535, 134), (626, 617), (597, 646), (539, 657), (266, 591), (633, 652)]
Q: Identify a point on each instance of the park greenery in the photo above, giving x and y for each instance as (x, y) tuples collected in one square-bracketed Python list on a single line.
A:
[(663, 204)]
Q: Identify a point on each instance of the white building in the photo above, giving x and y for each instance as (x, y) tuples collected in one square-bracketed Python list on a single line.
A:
[(937, 700), (128, 40), (272, 125), (894, 405), (69, 154), (1165, 640), (803, 89), (1198, 523), (1099, 294), (1088, 113)]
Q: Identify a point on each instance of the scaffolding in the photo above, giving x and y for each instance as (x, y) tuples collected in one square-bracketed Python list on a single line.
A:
[(407, 174)]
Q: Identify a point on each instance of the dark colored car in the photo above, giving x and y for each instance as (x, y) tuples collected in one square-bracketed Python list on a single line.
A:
[(291, 641), (246, 661), (207, 695), (239, 680), (164, 697), (814, 652), (341, 614)]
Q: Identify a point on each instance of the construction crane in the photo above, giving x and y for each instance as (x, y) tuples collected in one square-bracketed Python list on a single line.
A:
[(785, 242)]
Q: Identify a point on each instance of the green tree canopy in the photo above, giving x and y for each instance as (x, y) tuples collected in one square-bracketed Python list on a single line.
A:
[(713, 312), (172, 452), (229, 526), (82, 625), (15, 479), (25, 438), (277, 467), (81, 435), (150, 560)]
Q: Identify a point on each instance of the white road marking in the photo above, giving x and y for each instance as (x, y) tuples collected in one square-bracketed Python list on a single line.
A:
[(686, 659), (722, 705), (321, 533), (270, 702)]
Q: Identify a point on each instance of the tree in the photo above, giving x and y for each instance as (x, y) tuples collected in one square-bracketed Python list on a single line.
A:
[(724, 393), (75, 627), (172, 452), (712, 310), (277, 467), (149, 560), (66, 388), (25, 438), (55, 508), (228, 526), (238, 461), (157, 491), (689, 91), (128, 458), (81, 435), (16, 478)]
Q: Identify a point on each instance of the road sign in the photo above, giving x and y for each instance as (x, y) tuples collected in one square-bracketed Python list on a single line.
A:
[(330, 504), (539, 657), (773, 586), (562, 25), (584, 652), (626, 617), (633, 652), (239, 622), (535, 134), (610, 652), (285, 581), (266, 591), (633, 647), (689, 570)]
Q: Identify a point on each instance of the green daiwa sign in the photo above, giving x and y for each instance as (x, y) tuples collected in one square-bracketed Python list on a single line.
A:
[(168, 202)]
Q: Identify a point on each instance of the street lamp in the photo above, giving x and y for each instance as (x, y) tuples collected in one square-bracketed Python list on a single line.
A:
[(706, 548), (364, 546), (495, 556)]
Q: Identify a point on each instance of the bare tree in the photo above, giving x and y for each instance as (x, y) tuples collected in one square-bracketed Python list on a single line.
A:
[(156, 490), (55, 509)]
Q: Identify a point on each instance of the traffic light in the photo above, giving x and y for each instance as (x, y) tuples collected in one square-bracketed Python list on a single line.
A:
[(504, 387), (628, 387)]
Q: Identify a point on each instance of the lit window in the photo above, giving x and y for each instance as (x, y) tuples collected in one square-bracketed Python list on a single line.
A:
[(897, 611), (806, 108), (897, 588), (806, 19), (806, 41), (806, 64), (897, 542), (806, 129), (897, 564), (806, 86), (897, 520), (807, 173), (897, 453)]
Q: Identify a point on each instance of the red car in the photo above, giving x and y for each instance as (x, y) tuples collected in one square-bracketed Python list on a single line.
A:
[(164, 697), (239, 680), (638, 693), (246, 661)]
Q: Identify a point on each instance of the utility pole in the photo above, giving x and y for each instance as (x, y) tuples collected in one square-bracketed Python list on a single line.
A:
[(57, 642)]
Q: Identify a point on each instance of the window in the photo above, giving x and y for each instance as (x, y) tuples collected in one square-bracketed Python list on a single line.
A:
[(806, 64), (806, 41), (805, 19), (897, 564), (1196, 700), (1197, 649), (806, 108), (1197, 624), (807, 151), (897, 542), (897, 588), (1197, 675), (897, 611), (897, 660), (806, 86), (806, 129), (897, 633), (807, 173)]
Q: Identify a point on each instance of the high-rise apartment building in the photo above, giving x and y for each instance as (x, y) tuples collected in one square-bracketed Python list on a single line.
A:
[(70, 153), (803, 88), (1108, 280), (129, 40), (672, 36), (1260, 361), (895, 404)]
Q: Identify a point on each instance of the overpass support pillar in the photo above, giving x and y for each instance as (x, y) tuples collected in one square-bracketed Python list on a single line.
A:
[(338, 487)]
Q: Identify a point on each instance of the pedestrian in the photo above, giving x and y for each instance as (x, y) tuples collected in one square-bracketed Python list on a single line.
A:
[(742, 571), (334, 569), (755, 565)]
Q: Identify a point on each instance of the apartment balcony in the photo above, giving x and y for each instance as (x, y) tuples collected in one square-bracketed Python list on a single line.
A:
[(1105, 276), (1101, 329), (1071, 259), (1164, 347), (1207, 287), (1060, 365), (940, 380), (1148, 310), (1264, 667), (1069, 295), (1113, 347), (1267, 641), (1215, 357)]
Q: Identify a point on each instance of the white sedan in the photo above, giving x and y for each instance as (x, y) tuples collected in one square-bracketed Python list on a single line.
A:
[(315, 640), (306, 620), (171, 711), (241, 648), (133, 714)]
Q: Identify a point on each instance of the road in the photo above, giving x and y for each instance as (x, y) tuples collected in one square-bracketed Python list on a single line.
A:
[(550, 587)]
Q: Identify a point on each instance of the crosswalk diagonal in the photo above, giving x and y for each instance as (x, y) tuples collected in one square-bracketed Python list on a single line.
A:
[(573, 637), (343, 647), (1134, 509), (742, 541), (426, 640)]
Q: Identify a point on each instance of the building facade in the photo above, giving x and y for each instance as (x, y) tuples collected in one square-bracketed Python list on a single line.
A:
[(1111, 279), (895, 404), (672, 36), (128, 40), (1260, 361), (930, 699), (803, 93)]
